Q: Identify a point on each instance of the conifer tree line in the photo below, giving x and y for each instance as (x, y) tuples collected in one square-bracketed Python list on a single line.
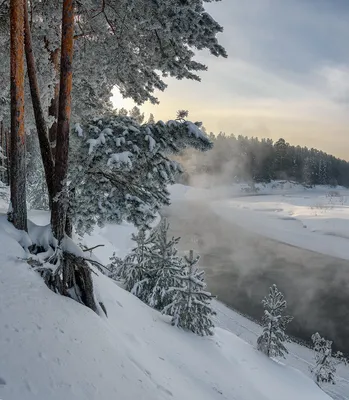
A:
[(63, 60), (240, 158)]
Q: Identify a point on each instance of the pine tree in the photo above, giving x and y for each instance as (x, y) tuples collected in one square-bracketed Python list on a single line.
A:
[(18, 208), (280, 156), (121, 170), (274, 325), (190, 308), (133, 270), (308, 172), (166, 267), (151, 119), (137, 115), (325, 362)]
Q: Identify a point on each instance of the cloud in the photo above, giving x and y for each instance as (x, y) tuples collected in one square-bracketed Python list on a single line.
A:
[(287, 74), (336, 81)]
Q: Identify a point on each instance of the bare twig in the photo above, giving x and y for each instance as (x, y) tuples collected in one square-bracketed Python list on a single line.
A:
[(97, 264), (92, 248)]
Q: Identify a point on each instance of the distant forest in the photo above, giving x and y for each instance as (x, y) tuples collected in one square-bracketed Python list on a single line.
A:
[(239, 158)]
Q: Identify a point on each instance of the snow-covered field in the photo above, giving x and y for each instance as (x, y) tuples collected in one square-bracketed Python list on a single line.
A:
[(53, 348), (316, 219)]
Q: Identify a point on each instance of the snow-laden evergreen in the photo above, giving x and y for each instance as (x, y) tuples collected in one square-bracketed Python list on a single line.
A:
[(190, 308), (166, 267), (271, 342), (131, 44), (120, 170), (324, 370), (133, 270)]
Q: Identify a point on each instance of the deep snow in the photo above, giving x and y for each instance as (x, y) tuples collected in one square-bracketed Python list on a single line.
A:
[(53, 348)]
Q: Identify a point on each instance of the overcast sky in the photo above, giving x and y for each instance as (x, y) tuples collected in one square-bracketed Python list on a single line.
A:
[(287, 74)]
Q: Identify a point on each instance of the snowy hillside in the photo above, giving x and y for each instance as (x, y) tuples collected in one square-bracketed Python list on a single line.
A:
[(52, 347)]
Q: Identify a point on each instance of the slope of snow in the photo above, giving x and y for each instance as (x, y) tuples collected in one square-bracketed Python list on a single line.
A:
[(299, 357), (53, 348)]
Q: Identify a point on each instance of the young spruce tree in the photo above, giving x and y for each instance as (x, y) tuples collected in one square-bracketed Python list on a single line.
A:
[(190, 308), (166, 267), (133, 270), (271, 342), (325, 362)]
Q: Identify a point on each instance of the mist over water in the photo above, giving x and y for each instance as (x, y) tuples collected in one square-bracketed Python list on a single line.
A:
[(241, 266)]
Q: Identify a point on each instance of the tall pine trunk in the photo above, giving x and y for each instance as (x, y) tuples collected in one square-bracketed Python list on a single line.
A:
[(59, 207), (41, 127), (18, 211)]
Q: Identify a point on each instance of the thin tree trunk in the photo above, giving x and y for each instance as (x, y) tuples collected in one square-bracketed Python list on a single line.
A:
[(18, 212), (2, 135), (41, 127), (69, 221), (53, 108), (59, 208), (8, 155)]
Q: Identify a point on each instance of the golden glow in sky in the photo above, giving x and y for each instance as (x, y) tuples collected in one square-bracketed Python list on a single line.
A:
[(287, 75)]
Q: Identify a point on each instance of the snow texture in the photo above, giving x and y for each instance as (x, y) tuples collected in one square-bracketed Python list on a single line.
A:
[(119, 159), (53, 348)]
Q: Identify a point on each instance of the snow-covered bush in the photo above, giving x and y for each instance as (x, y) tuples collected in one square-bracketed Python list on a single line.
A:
[(190, 308), (325, 362), (271, 342), (120, 170)]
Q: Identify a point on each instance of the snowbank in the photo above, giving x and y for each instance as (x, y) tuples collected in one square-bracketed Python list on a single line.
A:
[(53, 348), (315, 219)]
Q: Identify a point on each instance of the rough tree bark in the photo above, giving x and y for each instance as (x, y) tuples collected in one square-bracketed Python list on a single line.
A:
[(18, 212), (59, 207), (41, 127), (73, 273)]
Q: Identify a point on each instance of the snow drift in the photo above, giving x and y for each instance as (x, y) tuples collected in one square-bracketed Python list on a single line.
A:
[(53, 348)]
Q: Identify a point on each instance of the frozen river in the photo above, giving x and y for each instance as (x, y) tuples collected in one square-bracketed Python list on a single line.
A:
[(241, 265)]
